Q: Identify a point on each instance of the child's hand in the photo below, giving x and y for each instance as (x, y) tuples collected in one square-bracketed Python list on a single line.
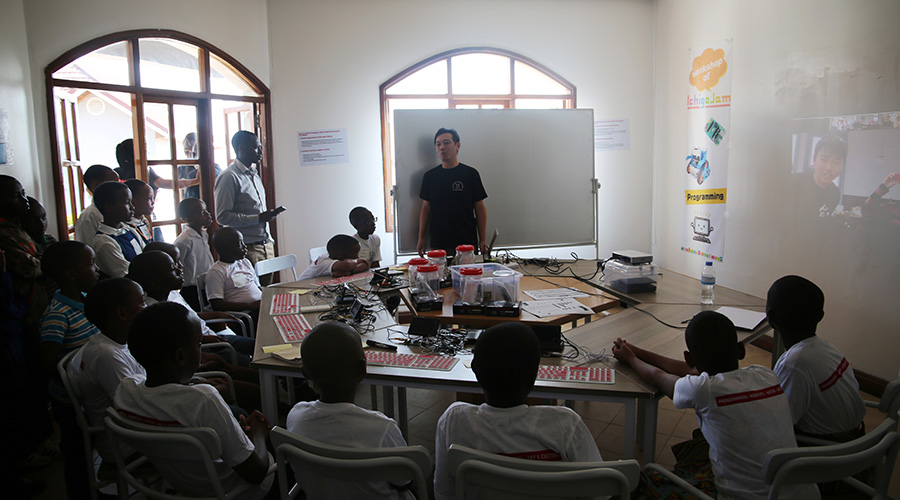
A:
[(362, 265), (256, 423), (622, 351), (892, 179)]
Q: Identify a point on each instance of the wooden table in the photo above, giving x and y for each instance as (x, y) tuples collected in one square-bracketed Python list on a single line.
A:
[(596, 301)]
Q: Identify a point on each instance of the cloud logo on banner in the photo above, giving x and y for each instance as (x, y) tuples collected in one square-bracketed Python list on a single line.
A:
[(708, 69)]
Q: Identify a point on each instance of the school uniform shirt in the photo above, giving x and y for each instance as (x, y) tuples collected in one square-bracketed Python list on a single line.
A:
[(321, 267), (195, 254), (177, 405), (369, 249), (345, 424), (114, 247), (141, 229), (86, 226), (98, 369), (822, 391), (547, 433), (64, 323), (236, 281), (743, 414)]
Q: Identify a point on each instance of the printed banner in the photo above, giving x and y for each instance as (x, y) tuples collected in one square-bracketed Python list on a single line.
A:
[(706, 154)]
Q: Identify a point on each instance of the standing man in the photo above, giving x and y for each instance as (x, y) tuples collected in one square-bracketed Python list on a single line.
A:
[(241, 199), (453, 200)]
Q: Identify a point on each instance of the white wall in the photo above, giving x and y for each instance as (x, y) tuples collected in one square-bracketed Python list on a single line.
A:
[(16, 96), (328, 59), (238, 27), (803, 58)]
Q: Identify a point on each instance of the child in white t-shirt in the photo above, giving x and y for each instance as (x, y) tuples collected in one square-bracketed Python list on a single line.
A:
[(231, 283), (334, 364), (742, 412), (817, 378), (90, 218), (342, 259), (165, 339), (506, 362), (193, 246), (369, 242)]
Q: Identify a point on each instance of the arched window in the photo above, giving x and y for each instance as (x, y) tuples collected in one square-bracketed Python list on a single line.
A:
[(467, 78), (155, 87)]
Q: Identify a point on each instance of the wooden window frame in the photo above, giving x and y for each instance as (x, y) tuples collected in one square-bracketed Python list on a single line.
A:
[(261, 108), (508, 101)]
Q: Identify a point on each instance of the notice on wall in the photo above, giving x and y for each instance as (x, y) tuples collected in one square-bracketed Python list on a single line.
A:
[(323, 147), (705, 164), (611, 135)]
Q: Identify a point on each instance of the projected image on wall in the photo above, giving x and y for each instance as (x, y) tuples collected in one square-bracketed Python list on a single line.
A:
[(846, 169)]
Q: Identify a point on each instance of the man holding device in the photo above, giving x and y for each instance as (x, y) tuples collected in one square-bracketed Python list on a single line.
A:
[(452, 200), (241, 199)]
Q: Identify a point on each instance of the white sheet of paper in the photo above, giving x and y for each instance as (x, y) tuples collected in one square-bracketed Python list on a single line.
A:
[(555, 293), (555, 307), (742, 318)]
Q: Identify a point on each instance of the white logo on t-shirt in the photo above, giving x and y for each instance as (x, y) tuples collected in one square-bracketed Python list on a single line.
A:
[(457, 186)]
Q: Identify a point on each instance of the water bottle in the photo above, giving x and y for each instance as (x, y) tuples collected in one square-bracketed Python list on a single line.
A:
[(708, 284)]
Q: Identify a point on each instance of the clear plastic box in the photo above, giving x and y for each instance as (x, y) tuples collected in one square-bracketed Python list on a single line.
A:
[(488, 269), (630, 278)]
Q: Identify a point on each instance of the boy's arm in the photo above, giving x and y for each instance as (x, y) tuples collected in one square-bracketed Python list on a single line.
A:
[(656, 376), (254, 468), (671, 365)]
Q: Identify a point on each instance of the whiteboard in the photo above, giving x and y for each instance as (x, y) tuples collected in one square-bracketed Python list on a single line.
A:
[(537, 167)]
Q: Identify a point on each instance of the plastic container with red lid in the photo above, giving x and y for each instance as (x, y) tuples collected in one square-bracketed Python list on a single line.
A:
[(465, 254)]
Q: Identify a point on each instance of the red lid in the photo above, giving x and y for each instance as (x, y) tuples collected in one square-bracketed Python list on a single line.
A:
[(418, 261), (427, 268), (471, 271), (465, 248), (436, 253)]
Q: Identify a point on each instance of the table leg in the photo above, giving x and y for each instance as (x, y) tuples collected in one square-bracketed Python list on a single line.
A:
[(373, 393), (402, 416), (268, 388), (629, 428), (388, 394), (649, 409)]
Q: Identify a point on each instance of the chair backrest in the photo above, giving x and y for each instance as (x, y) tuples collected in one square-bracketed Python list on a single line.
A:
[(890, 400), (74, 393), (407, 463), (314, 253), (201, 293), (165, 447), (518, 476), (815, 464), (276, 264)]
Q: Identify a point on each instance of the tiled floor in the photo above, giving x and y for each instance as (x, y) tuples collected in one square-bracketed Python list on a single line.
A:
[(605, 421)]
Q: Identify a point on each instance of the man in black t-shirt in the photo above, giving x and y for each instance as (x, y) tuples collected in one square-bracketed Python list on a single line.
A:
[(453, 200)]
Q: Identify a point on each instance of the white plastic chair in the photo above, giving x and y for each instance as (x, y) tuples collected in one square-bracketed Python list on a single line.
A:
[(518, 476), (276, 264), (205, 307), (314, 253), (818, 464), (407, 463), (165, 445)]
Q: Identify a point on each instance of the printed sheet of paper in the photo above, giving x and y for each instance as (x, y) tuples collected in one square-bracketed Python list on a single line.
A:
[(555, 293), (742, 318), (555, 307), (292, 327), (285, 303)]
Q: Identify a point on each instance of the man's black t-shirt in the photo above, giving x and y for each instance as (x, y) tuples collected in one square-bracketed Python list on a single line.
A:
[(810, 198), (452, 194)]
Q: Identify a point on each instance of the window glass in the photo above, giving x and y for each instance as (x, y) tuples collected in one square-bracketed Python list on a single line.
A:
[(539, 104), (480, 74), (156, 129), (105, 65), (223, 79), (185, 123), (431, 79), (532, 82), (169, 64)]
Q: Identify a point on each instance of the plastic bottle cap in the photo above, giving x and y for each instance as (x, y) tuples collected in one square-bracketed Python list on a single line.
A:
[(427, 268), (471, 271), (436, 253), (709, 263), (417, 261), (465, 248)]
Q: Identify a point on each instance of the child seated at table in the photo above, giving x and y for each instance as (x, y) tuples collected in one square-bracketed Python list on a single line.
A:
[(506, 363), (743, 412), (334, 365), (193, 246), (821, 389), (342, 259), (115, 244), (90, 218), (369, 242), (142, 198), (231, 283), (165, 339)]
